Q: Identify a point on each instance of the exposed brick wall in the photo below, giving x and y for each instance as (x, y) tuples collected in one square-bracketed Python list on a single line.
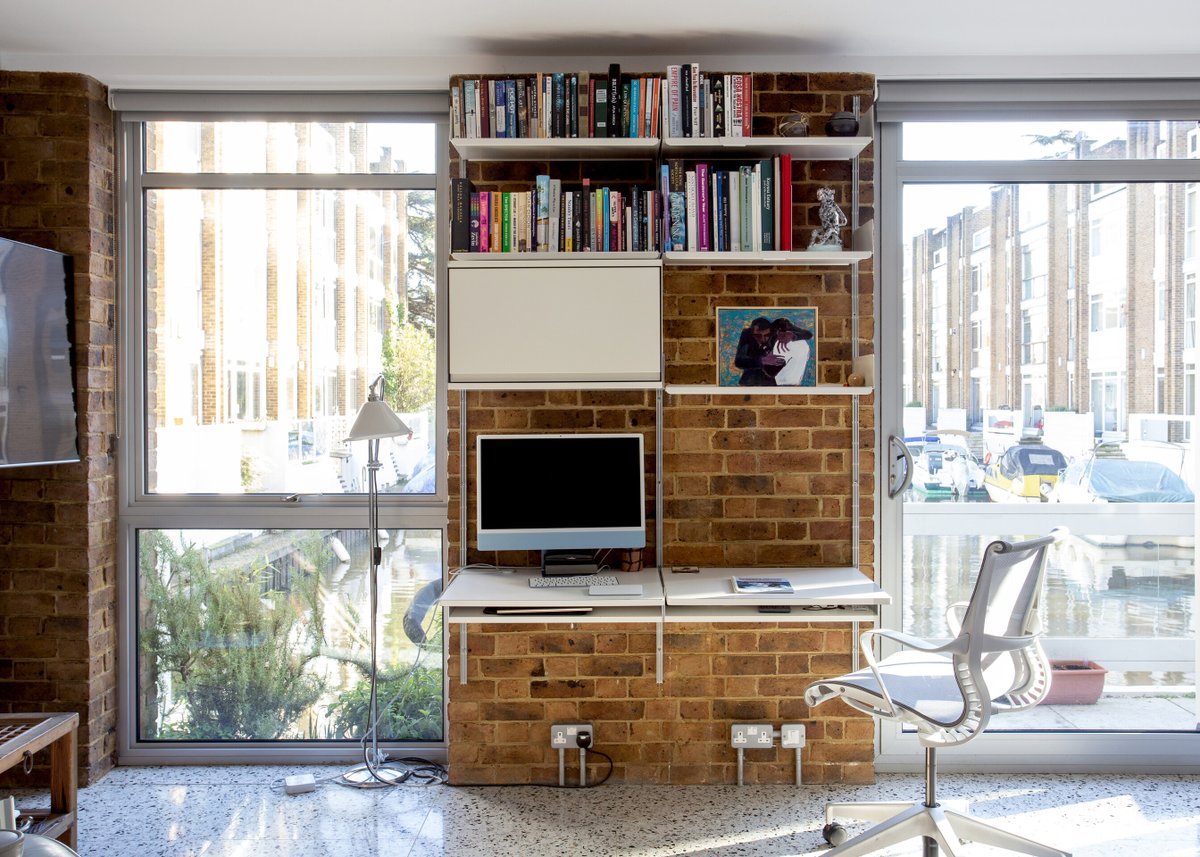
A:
[(58, 523), (749, 481)]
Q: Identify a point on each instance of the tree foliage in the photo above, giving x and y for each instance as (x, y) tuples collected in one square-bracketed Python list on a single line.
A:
[(237, 655), (409, 365)]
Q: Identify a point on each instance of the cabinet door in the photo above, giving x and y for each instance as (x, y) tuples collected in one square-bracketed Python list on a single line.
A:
[(554, 323)]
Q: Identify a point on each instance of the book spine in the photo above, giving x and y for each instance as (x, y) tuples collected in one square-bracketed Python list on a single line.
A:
[(522, 109), (542, 183), (510, 95), (616, 216), (685, 101), (735, 210), (776, 210), (497, 221), (692, 243), (501, 109), (485, 221), (703, 107), (559, 87), (555, 227), (505, 224), (785, 202), (674, 117), (664, 190), (586, 214), (585, 104), (460, 215), (623, 121), (473, 236), (735, 125), (635, 203), (635, 106), (601, 109), (456, 104), (756, 209), (577, 220), (748, 105), (572, 105), (483, 109), (747, 225), (533, 108), (604, 220), (568, 216), (703, 216), (648, 220), (614, 98), (695, 95), (470, 129), (767, 214), (677, 203)]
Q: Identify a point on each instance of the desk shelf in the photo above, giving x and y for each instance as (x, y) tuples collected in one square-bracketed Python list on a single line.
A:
[(728, 613), (22, 735)]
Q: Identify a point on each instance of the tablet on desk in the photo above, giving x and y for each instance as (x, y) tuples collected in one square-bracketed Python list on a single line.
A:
[(762, 585), (518, 610)]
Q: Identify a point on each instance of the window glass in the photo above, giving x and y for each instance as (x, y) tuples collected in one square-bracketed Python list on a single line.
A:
[(246, 146), (262, 635), (268, 313), (1066, 140)]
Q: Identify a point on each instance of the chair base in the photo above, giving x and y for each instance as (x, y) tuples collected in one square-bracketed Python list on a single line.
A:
[(948, 827)]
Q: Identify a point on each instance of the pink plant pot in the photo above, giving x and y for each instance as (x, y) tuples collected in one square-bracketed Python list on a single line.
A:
[(1075, 683)]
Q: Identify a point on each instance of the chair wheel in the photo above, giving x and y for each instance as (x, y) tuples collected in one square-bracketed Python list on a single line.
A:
[(834, 833)]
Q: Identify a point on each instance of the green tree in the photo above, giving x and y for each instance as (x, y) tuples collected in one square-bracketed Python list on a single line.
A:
[(421, 268), (409, 364), (237, 654)]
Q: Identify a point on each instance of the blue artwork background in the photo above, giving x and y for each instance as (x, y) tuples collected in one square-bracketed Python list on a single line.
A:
[(731, 321)]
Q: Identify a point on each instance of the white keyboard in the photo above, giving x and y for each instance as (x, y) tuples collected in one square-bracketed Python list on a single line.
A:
[(573, 580)]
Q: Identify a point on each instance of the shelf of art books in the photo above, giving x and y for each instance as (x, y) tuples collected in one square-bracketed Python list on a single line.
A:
[(715, 390), (556, 148)]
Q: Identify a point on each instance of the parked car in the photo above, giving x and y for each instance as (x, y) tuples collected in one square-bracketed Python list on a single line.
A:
[(943, 471), (1024, 473), (1098, 479)]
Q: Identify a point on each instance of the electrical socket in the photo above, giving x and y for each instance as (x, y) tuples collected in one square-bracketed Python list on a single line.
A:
[(793, 735), (752, 735), (562, 735)]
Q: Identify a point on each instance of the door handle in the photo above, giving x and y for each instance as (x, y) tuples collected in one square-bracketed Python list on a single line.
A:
[(900, 466)]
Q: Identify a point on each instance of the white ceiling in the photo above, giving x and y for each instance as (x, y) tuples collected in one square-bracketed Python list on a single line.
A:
[(375, 44)]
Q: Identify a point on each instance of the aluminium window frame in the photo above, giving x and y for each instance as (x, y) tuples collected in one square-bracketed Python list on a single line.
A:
[(900, 101), (139, 509)]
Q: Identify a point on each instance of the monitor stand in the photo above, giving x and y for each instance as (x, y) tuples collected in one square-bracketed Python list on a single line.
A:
[(567, 562)]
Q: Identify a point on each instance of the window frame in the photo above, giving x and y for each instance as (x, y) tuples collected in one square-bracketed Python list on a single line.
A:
[(139, 509), (968, 101)]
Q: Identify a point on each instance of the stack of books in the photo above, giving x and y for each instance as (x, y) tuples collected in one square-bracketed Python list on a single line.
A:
[(709, 104), (729, 208)]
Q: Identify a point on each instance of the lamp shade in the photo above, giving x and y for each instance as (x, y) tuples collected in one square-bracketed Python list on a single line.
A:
[(375, 420)]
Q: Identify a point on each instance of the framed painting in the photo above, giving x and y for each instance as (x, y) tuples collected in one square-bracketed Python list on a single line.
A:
[(766, 346)]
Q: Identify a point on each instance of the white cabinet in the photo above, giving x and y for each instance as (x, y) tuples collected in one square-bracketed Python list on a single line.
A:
[(566, 320)]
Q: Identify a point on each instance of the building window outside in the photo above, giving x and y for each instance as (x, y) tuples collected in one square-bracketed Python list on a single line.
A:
[(1069, 262), (267, 306)]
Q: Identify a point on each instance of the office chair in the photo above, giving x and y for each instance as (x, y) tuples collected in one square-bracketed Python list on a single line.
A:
[(948, 693)]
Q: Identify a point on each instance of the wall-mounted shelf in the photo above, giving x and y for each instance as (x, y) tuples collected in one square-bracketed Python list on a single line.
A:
[(555, 148), (767, 257), (714, 390), (590, 257), (570, 384), (800, 148)]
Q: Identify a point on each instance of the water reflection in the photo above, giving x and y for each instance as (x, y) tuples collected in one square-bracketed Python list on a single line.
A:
[(1096, 588)]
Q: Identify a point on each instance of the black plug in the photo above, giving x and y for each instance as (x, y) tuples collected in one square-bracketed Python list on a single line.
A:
[(583, 740)]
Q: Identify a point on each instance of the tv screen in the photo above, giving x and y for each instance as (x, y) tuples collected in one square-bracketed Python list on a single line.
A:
[(37, 390), (560, 492)]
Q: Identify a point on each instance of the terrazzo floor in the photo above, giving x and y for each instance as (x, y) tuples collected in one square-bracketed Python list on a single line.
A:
[(243, 811)]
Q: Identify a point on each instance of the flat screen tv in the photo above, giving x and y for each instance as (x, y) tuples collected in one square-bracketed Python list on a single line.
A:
[(37, 390), (560, 492)]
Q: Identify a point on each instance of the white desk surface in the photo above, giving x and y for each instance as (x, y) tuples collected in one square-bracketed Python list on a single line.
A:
[(813, 587), (510, 588)]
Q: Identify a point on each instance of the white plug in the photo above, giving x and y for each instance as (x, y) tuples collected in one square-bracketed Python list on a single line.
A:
[(299, 784)]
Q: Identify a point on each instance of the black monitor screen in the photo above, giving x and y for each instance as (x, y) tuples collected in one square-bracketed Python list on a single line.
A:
[(556, 492)]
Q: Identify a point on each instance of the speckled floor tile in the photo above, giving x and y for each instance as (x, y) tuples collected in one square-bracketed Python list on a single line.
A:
[(242, 811)]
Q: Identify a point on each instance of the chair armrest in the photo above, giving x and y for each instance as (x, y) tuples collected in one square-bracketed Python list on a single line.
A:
[(955, 646), (954, 616)]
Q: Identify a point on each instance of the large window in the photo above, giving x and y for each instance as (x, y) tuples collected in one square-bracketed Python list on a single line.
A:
[(277, 264), (1079, 405)]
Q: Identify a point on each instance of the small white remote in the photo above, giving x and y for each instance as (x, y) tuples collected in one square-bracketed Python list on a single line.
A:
[(616, 589)]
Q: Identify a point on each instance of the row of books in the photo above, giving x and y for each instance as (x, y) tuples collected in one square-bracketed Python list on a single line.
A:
[(558, 104), (728, 208), (696, 208), (713, 104), (551, 218)]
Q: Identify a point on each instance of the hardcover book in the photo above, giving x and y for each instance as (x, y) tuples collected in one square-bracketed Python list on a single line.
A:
[(614, 99), (501, 109), (460, 215), (703, 216), (600, 111), (685, 100), (674, 117), (767, 212)]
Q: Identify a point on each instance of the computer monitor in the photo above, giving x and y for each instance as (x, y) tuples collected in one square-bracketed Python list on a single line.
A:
[(560, 492)]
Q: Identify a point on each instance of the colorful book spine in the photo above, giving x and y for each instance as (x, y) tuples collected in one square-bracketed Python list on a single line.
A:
[(635, 105), (735, 211), (586, 214), (605, 219), (767, 203), (501, 109), (585, 104), (785, 202), (474, 233), (674, 116), (703, 217), (460, 215), (555, 231), (664, 182), (485, 221), (506, 222), (542, 232), (692, 241), (747, 104)]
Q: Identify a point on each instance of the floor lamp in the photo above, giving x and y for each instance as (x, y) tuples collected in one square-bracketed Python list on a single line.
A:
[(375, 421)]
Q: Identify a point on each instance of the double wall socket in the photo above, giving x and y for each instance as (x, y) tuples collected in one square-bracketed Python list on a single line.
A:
[(563, 735), (752, 735)]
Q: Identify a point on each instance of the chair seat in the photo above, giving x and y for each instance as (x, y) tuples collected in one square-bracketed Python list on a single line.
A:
[(918, 682)]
